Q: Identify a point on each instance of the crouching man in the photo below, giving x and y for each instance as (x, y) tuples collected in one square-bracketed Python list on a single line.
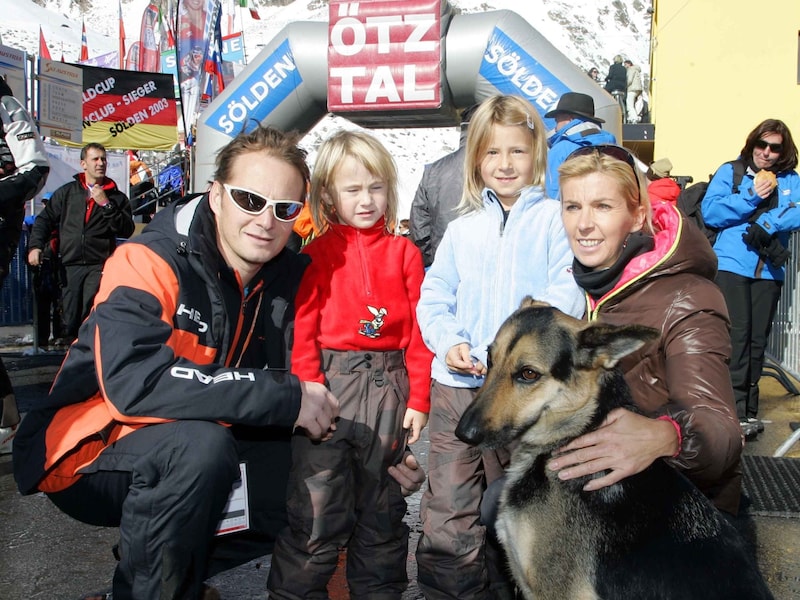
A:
[(180, 373)]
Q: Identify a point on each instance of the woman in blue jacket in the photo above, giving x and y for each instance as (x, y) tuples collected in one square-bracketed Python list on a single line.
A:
[(755, 223)]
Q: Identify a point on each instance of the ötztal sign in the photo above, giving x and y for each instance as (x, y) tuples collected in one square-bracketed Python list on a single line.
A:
[(384, 54)]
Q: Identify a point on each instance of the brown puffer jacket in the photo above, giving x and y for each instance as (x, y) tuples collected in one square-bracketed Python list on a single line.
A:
[(685, 374)]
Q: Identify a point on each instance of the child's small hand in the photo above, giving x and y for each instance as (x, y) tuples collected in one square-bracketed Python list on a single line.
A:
[(478, 368), (415, 422), (458, 359)]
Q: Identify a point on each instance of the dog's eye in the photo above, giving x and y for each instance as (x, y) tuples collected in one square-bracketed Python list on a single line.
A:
[(528, 375)]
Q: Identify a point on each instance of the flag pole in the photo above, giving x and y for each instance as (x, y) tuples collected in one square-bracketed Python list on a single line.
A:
[(186, 132), (241, 22)]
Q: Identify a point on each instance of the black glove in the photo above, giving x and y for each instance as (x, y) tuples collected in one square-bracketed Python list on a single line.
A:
[(776, 253), (768, 247), (756, 237)]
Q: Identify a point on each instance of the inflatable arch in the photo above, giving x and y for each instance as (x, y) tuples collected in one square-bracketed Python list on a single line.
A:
[(392, 64)]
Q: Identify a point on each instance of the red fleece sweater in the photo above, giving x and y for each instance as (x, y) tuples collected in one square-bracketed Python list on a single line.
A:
[(360, 293)]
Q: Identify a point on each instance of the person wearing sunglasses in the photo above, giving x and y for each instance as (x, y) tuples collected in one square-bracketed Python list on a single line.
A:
[(754, 224), (643, 264), (356, 330), (179, 374)]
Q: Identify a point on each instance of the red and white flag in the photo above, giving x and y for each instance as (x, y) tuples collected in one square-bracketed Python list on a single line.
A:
[(84, 45), (149, 56), (44, 51)]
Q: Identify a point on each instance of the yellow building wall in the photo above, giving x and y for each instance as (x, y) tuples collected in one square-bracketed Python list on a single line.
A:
[(719, 68)]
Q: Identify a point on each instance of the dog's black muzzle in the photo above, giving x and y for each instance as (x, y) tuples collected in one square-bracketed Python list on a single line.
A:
[(470, 426)]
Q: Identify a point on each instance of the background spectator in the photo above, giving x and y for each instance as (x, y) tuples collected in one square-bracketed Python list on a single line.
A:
[(661, 187), (23, 171), (90, 213), (633, 90), (438, 195), (751, 246), (576, 126), (617, 78), (47, 289)]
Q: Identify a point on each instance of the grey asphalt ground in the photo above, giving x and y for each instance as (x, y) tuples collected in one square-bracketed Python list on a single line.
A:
[(46, 555)]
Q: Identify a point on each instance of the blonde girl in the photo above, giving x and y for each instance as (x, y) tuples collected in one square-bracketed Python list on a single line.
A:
[(508, 243), (355, 330)]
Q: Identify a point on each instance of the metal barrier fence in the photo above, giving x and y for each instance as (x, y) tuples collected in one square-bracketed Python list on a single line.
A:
[(16, 295), (784, 341)]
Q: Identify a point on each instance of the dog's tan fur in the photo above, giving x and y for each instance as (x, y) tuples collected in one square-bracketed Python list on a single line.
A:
[(520, 401), (652, 535), (558, 409)]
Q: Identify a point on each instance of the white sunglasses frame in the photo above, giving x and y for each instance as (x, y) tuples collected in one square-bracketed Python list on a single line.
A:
[(270, 202)]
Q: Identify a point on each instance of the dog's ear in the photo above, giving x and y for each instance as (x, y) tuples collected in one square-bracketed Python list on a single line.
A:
[(531, 302), (603, 346)]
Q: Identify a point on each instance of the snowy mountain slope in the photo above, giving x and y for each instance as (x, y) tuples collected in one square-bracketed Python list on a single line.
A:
[(588, 32)]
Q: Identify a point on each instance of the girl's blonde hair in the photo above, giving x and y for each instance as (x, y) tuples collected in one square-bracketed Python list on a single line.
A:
[(367, 150), (630, 180), (512, 111)]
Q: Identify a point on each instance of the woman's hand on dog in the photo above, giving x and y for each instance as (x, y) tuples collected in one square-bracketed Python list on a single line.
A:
[(626, 443), (460, 360)]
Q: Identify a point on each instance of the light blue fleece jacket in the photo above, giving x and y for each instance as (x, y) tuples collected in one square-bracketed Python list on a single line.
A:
[(483, 270)]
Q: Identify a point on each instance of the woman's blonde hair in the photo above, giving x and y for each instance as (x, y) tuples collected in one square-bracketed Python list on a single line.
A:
[(511, 111), (628, 178), (367, 150)]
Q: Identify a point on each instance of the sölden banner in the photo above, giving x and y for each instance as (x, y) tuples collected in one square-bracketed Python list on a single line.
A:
[(129, 110)]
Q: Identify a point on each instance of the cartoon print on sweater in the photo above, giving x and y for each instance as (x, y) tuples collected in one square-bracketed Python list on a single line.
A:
[(370, 327)]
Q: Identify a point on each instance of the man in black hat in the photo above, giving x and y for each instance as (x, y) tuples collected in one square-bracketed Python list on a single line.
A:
[(576, 126)]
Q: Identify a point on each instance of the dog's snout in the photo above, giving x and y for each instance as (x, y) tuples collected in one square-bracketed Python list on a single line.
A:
[(469, 428)]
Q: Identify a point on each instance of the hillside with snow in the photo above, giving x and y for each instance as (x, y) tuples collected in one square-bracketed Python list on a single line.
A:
[(588, 32)]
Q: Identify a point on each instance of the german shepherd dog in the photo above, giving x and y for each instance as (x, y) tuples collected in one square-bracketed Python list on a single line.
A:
[(652, 535)]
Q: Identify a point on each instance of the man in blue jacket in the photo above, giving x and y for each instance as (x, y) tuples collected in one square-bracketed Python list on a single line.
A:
[(576, 126)]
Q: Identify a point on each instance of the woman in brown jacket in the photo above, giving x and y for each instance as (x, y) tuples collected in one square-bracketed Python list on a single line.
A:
[(645, 265)]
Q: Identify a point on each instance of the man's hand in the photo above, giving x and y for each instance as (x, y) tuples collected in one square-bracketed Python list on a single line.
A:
[(35, 257), (318, 411), (98, 194), (408, 474)]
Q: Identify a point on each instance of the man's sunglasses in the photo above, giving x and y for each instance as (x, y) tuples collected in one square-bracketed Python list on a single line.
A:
[(255, 204), (774, 148)]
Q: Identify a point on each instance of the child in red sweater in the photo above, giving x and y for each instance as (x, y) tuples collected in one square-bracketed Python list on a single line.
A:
[(356, 330)]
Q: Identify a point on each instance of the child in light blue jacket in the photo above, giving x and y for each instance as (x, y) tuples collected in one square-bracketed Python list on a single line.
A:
[(509, 243)]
